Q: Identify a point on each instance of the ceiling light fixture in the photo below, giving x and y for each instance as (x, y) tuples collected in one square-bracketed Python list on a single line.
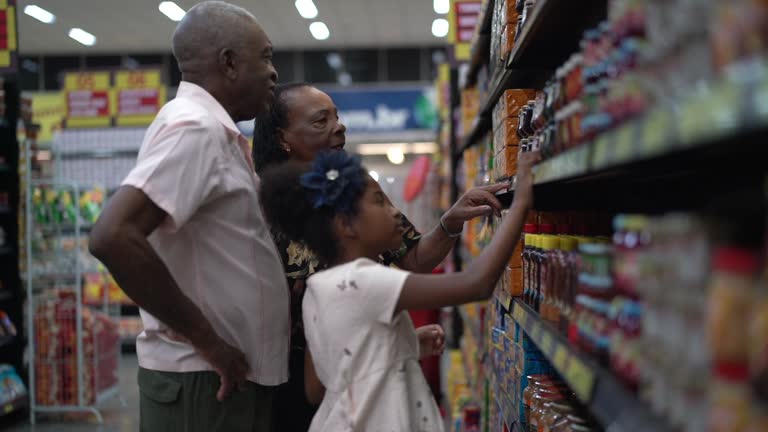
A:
[(396, 155), (442, 6), (440, 27), (374, 175), (39, 14), (306, 9), (171, 10), (82, 36), (319, 30)]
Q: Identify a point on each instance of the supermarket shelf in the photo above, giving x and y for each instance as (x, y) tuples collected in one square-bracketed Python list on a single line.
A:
[(63, 228), (553, 32), (607, 398), (665, 159), (15, 405), (98, 154)]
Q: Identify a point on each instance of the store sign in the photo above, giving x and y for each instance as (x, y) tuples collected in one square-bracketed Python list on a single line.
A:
[(122, 98), (88, 99), (463, 18), (8, 36), (386, 110), (48, 110), (140, 95)]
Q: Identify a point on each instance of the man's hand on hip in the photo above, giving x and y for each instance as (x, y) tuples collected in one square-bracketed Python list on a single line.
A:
[(229, 362)]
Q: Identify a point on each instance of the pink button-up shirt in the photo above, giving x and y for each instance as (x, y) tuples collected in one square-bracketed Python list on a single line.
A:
[(195, 165)]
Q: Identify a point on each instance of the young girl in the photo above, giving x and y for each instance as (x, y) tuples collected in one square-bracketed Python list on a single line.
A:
[(363, 351)]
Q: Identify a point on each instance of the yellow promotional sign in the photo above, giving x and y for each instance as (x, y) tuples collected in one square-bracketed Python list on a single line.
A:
[(88, 99), (8, 40), (139, 96), (48, 110), (463, 21)]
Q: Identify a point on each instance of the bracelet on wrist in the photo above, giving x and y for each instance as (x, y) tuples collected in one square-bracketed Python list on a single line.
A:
[(448, 233)]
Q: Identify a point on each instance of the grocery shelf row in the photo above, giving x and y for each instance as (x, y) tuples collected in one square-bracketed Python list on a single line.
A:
[(607, 398), (553, 34), (687, 142)]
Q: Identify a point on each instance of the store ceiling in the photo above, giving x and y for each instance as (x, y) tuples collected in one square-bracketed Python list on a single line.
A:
[(136, 26)]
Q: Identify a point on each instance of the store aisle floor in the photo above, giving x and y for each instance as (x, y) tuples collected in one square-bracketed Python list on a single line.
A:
[(117, 418)]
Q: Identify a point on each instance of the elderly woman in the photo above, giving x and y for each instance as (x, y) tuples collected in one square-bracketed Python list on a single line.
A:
[(303, 121)]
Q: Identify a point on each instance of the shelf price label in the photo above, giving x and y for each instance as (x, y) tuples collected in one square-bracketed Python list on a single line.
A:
[(140, 95), (519, 315), (581, 378), (623, 148), (655, 132), (560, 359), (601, 145), (724, 108), (546, 343)]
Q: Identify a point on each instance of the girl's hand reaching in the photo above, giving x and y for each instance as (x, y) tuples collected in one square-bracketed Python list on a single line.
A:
[(431, 340)]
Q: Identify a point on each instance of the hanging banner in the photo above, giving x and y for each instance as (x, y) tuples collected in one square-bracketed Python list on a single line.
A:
[(463, 20), (8, 36), (140, 94), (88, 99)]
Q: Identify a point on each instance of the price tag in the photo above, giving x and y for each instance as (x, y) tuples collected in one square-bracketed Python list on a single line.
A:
[(724, 106), (655, 132), (561, 357), (600, 155), (536, 333), (543, 172), (581, 379), (519, 315), (546, 342), (624, 145)]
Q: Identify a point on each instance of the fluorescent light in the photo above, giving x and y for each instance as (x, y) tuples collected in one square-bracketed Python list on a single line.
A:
[(306, 9), (319, 30), (334, 61), (39, 14), (82, 36), (390, 180), (345, 78), (442, 6), (374, 175), (171, 10), (440, 27), (396, 155)]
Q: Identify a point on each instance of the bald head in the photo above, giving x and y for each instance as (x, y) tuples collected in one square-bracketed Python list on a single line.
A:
[(210, 27), (222, 48)]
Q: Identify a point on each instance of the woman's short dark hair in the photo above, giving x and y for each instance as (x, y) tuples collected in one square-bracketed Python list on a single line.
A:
[(267, 149), (289, 210)]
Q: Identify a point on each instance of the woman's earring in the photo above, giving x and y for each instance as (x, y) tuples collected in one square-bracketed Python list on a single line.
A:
[(287, 149)]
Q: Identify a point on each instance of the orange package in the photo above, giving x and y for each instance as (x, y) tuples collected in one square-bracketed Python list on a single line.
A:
[(516, 260), (515, 281), (513, 100), (507, 42), (508, 12), (509, 155)]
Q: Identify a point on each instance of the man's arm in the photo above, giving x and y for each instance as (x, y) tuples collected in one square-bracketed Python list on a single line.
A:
[(433, 247), (119, 240)]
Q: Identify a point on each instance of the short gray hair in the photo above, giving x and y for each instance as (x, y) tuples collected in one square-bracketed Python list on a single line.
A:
[(209, 27)]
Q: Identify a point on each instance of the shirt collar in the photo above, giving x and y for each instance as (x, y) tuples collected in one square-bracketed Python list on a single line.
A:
[(198, 94)]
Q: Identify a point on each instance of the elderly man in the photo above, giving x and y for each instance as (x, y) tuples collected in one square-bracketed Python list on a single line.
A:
[(185, 232)]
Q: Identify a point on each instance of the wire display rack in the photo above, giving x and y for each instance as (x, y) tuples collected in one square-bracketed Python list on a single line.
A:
[(74, 346)]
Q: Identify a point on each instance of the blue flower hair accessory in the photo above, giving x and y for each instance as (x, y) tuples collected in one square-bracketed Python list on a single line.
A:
[(335, 181)]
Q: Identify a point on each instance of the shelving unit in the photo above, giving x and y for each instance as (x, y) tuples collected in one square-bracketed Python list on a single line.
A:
[(614, 406), (661, 153), (553, 34)]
